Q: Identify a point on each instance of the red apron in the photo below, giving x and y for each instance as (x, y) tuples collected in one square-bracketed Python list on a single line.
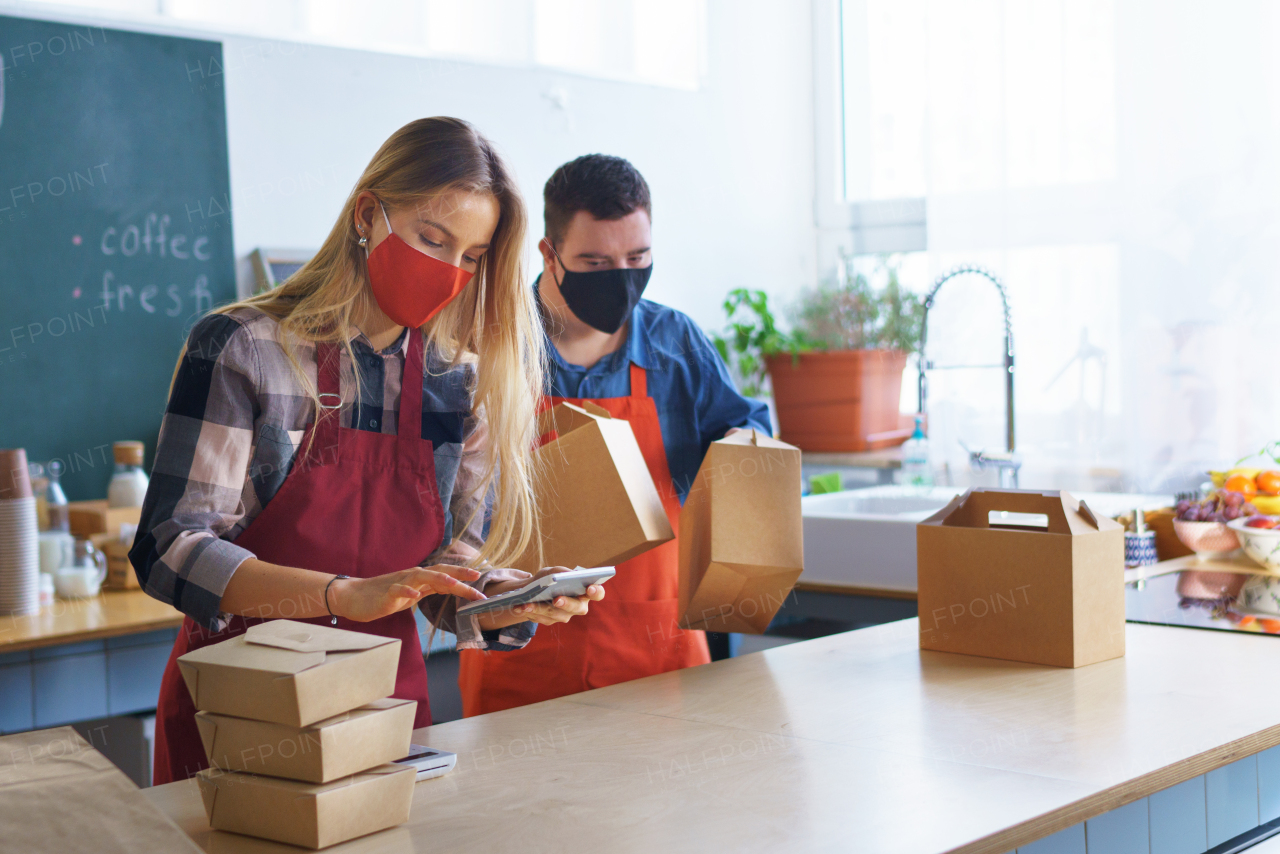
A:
[(631, 633), (359, 504)]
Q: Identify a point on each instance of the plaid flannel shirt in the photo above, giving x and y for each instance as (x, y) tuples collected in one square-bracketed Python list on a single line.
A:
[(232, 428)]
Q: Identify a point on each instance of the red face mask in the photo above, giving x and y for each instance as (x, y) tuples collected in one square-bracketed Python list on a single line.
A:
[(410, 286)]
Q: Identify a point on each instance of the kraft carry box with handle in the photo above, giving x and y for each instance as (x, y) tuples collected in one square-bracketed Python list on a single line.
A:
[(599, 504), (1021, 575)]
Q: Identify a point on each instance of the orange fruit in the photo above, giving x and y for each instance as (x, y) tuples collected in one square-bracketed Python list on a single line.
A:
[(1268, 482), (1240, 483)]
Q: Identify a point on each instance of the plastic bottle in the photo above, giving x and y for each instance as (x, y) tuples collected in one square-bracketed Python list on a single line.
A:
[(128, 485), (915, 458)]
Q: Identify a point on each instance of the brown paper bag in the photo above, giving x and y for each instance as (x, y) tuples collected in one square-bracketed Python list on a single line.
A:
[(741, 536), (995, 586), (59, 794), (598, 502)]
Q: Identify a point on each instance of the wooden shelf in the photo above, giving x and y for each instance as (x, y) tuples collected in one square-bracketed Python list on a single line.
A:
[(109, 614)]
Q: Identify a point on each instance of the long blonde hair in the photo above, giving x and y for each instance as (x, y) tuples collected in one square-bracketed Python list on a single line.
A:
[(492, 324)]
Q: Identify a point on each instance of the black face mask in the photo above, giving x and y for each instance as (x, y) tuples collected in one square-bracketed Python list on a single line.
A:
[(603, 299)]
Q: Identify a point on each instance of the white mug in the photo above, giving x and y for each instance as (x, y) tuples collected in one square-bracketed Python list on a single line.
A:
[(79, 582), (57, 549)]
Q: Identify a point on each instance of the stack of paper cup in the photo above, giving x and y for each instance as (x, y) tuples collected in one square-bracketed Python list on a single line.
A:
[(19, 542)]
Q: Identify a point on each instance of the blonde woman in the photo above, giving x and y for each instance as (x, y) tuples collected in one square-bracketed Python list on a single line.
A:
[(328, 446)]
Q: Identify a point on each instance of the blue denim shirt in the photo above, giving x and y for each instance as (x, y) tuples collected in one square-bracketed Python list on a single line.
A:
[(689, 383)]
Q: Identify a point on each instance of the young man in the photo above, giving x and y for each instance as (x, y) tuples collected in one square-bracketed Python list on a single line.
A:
[(643, 362)]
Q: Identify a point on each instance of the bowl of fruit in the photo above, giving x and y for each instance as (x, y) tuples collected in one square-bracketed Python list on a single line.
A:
[(1260, 486), (1260, 538), (1202, 525)]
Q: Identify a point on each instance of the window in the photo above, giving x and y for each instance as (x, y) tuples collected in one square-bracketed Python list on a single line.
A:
[(1115, 162), (659, 42)]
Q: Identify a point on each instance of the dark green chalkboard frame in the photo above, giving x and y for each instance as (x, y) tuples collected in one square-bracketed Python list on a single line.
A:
[(115, 233)]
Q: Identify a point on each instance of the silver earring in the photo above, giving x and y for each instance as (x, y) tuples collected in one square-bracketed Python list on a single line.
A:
[(363, 241)]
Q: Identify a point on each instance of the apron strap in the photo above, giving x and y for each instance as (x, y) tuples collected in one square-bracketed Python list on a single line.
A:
[(639, 381), (411, 389), (329, 386)]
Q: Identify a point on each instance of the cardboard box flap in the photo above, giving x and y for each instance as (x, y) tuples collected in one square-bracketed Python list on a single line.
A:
[(208, 793), (304, 637), (379, 705), (945, 512), (302, 787), (564, 418), (190, 675), (756, 439), (208, 726), (1065, 515)]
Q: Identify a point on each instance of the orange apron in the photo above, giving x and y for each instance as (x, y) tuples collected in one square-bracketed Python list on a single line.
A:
[(632, 633)]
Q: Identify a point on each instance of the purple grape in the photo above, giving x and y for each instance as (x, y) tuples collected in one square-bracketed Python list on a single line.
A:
[(1231, 513), (1182, 507)]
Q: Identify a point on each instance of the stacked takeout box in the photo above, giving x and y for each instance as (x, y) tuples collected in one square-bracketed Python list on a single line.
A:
[(300, 733)]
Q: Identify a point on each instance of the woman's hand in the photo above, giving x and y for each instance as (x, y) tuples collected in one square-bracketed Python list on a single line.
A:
[(365, 599), (559, 610)]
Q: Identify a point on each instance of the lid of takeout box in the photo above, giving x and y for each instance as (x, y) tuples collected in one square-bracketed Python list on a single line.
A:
[(214, 776), (282, 646), (304, 637), (207, 722), (15, 479)]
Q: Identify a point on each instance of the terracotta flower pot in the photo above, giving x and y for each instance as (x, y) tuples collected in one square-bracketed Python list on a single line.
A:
[(844, 400)]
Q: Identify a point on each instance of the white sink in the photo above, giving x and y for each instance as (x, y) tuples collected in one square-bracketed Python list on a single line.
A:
[(867, 537)]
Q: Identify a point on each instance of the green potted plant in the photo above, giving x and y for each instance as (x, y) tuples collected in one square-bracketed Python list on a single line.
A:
[(837, 375)]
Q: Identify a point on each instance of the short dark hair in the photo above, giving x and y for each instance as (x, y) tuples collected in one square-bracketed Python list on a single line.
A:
[(604, 186)]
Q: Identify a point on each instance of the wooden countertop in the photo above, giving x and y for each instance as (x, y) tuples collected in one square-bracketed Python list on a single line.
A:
[(858, 741), (112, 613)]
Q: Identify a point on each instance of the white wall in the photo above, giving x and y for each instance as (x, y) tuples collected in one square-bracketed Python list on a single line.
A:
[(731, 165)]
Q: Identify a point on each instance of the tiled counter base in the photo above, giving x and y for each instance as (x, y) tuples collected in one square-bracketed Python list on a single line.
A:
[(1237, 803)]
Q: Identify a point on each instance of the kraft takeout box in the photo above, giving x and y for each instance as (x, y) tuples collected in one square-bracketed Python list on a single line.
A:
[(995, 586), (308, 814), (87, 518), (291, 673), (741, 535), (340, 746), (599, 503)]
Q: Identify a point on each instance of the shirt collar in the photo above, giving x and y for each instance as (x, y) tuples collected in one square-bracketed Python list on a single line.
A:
[(636, 349), (361, 341)]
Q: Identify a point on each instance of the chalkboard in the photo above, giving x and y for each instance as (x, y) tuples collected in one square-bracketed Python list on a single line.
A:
[(115, 233)]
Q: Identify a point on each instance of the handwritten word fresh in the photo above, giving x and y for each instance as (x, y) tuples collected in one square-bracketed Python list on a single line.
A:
[(149, 299)]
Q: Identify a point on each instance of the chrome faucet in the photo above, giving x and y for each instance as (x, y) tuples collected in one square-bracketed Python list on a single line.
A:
[(1007, 462)]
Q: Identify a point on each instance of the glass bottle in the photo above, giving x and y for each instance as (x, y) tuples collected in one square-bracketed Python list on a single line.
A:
[(56, 498), (128, 485)]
